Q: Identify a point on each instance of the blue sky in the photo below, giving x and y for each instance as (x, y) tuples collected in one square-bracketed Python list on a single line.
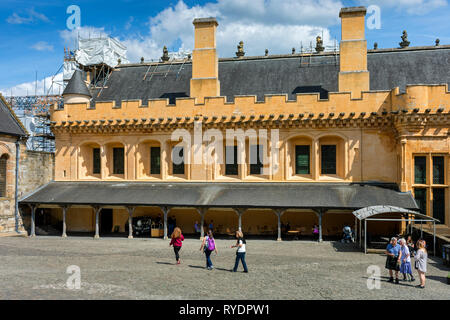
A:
[(34, 33)]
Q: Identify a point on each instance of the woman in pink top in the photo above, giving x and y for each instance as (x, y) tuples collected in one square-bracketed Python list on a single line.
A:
[(177, 237)]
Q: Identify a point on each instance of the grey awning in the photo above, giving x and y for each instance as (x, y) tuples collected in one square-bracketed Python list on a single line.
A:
[(368, 212), (213, 194)]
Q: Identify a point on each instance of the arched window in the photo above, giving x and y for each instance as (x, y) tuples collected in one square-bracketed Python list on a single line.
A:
[(3, 171)]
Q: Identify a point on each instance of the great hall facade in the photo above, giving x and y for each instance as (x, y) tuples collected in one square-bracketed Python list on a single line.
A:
[(324, 134)]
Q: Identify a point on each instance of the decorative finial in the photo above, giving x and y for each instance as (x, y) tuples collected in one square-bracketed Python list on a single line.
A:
[(437, 41), (375, 46), (240, 50), (405, 43), (142, 59), (266, 52), (165, 56), (293, 50), (119, 61), (319, 44)]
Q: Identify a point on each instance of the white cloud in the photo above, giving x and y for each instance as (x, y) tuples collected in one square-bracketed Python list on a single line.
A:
[(32, 16), (413, 7), (278, 25), (42, 46), (49, 85)]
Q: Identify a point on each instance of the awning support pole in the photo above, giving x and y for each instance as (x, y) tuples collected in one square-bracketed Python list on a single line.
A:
[(365, 236), (130, 219), (421, 229), (64, 211), (434, 238), (360, 234)]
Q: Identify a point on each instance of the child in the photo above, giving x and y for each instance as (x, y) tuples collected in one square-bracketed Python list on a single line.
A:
[(405, 267), (209, 245), (177, 237), (240, 253)]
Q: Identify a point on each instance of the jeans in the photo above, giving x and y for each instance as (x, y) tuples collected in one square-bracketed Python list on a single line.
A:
[(176, 250), (240, 256), (208, 258)]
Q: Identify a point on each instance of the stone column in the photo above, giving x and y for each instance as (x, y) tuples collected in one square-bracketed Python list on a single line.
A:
[(130, 224), (165, 211), (239, 212), (33, 225), (97, 216), (64, 211), (279, 213), (319, 214), (202, 212)]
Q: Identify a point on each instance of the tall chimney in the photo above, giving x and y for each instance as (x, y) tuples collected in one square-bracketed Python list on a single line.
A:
[(353, 75), (205, 63)]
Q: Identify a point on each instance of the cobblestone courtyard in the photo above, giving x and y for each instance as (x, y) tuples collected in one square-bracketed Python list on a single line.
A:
[(116, 268)]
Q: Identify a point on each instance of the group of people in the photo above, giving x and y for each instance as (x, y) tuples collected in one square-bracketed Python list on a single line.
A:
[(208, 246), (399, 253)]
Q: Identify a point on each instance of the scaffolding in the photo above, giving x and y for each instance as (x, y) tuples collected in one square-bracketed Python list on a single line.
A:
[(309, 57), (179, 58), (34, 113)]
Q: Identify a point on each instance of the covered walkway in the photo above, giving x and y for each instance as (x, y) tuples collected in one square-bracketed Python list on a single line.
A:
[(202, 196)]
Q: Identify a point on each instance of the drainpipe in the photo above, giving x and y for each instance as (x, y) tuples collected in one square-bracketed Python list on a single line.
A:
[(16, 193)]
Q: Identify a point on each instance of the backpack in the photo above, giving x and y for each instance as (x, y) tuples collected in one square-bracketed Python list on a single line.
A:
[(210, 244)]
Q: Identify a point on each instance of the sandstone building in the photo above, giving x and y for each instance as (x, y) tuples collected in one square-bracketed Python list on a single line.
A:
[(342, 131)]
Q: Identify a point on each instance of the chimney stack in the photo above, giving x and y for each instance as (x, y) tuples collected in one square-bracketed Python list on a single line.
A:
[(353, 75), (205, 62)]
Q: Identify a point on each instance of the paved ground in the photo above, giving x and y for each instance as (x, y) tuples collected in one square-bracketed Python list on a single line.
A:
[(115, 268)]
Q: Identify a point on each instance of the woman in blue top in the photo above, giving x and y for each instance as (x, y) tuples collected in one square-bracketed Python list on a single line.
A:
[(394, 255)]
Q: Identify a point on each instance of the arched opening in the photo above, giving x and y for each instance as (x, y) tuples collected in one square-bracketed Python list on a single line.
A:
[(298, 220), (115, 160), (148, 159), (331, 156), (3, 175), (224, 221), (260, 222), (90, 165), (299, 160)]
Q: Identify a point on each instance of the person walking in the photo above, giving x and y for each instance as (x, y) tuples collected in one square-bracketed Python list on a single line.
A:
[(208, 246), (420, 262), (240, 252), (176, 241), (405, 267), (393, 252)]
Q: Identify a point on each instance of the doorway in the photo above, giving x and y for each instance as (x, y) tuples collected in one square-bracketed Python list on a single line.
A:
[(106, 221)]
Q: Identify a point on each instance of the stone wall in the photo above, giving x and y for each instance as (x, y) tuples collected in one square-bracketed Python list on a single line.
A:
[(35, 170)]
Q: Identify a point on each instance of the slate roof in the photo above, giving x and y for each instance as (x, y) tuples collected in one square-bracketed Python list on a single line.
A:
[(76, 85), (214, 194), (9, 123), (282, 74)]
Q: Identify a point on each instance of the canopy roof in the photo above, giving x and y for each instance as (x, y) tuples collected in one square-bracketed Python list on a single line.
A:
[(286, 195), (368, 212)]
